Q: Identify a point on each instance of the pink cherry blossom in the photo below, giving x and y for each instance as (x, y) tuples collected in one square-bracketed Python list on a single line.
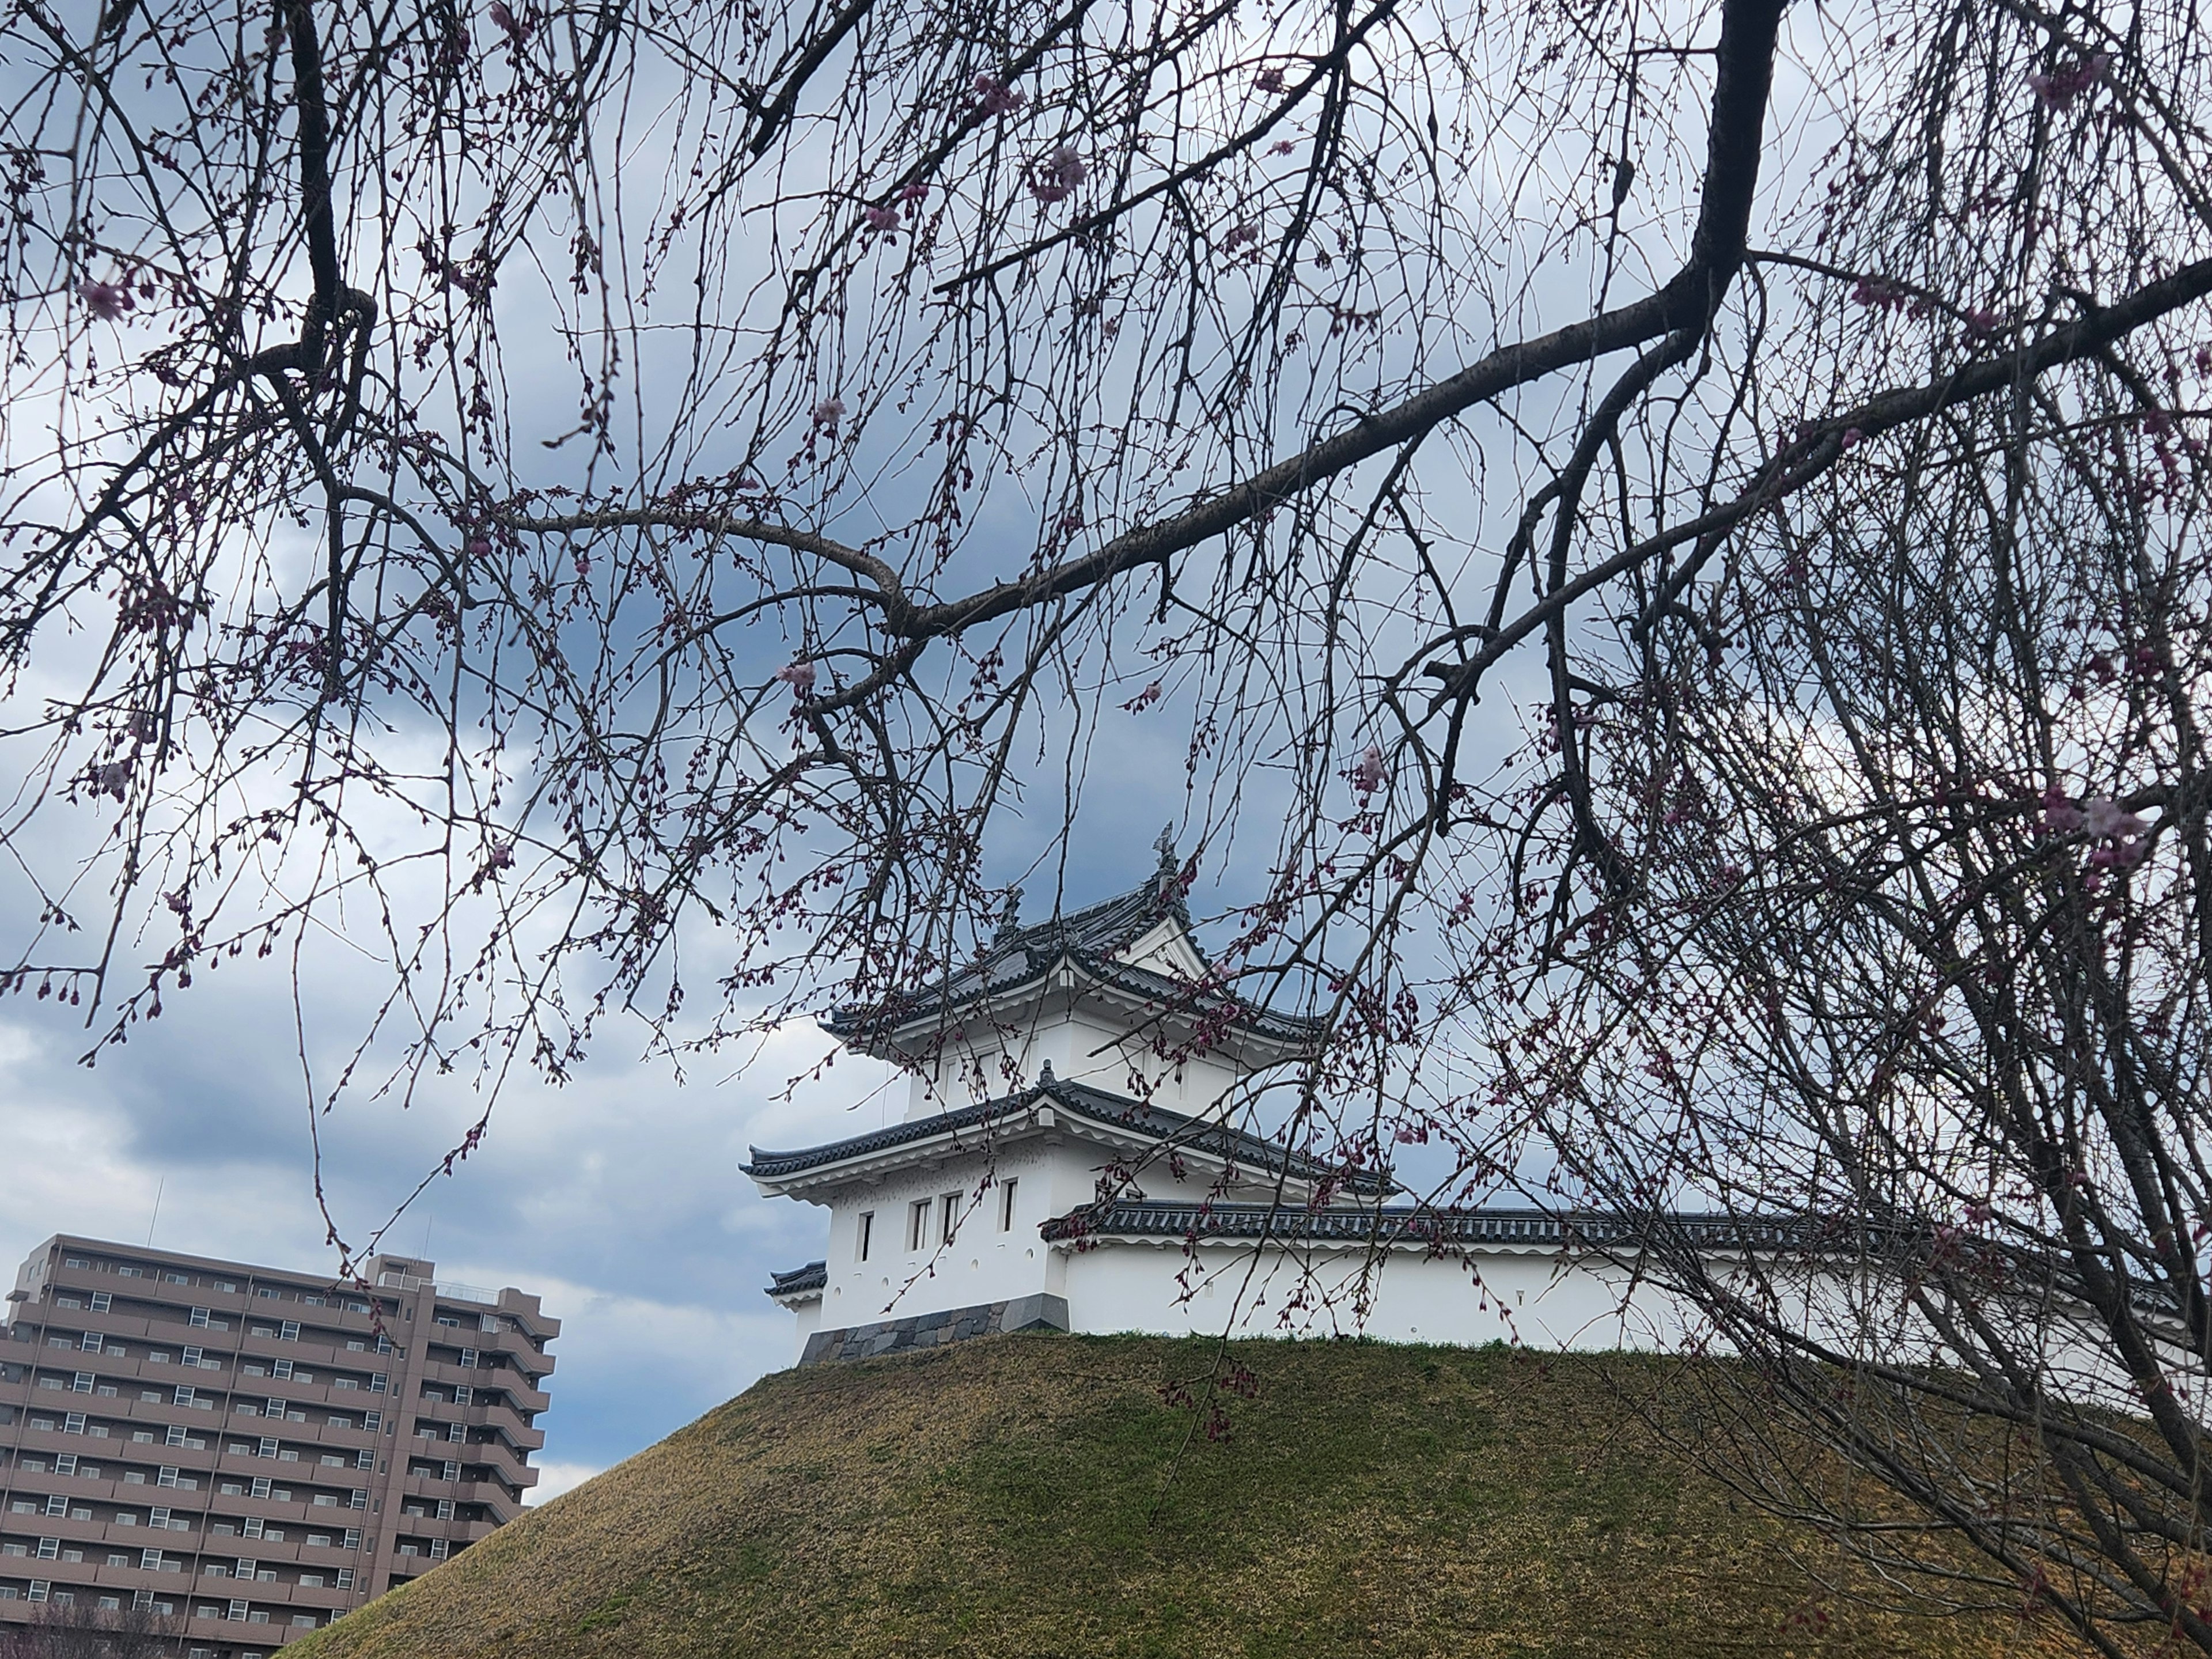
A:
[(2106, 820), (1054, 179), (517, 30), (106, 300), (1270, 79), (799, 676), (828, 413), (995, 96), (2060, 816), (2058, 89), (1367, 774), (884, 219)]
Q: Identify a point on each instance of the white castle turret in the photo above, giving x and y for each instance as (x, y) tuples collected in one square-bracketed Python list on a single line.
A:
[(1075, 1155), (1093, 1057)]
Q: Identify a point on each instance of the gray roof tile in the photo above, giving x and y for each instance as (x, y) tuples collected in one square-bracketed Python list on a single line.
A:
[(1235, 1147)]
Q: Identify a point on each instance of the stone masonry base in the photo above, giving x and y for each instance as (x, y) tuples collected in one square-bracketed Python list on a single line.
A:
[(1024, 1313)]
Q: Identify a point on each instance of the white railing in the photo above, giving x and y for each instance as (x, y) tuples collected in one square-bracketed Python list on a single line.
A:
[(392, 1281)]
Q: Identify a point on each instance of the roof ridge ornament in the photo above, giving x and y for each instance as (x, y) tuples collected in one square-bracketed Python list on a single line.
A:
[(1170, 877), (1010, 918)]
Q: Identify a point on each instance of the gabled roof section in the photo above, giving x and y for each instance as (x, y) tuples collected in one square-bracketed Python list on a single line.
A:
[(1139, 943), (971, 1127), (801, 1283)]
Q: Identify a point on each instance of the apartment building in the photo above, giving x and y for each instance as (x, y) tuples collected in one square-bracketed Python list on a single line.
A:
[(251, 1452)]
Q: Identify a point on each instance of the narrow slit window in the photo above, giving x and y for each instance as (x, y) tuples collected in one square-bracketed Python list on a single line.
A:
[(917, 1224), (949, 1216), (1006, 1204), (866, 1236)]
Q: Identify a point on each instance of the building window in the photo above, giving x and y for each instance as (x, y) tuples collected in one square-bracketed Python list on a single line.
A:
[(948, 1216), (917, 1224), (867, 1233), (1007, 1205)]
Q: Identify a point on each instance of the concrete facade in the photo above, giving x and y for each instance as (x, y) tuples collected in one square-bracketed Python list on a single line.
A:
[(248, 1451)]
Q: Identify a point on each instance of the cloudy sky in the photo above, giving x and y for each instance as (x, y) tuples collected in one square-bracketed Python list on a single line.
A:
[(616, 1198)]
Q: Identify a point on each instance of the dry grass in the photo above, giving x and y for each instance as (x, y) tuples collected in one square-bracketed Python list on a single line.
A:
[(1034, 1496)]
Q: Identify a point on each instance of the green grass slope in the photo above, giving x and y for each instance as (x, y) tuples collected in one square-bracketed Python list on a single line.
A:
[(1036, 1496)]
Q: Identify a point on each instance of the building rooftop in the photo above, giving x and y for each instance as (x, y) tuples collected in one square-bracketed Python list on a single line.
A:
[(1083, 1103), (1094, 940)]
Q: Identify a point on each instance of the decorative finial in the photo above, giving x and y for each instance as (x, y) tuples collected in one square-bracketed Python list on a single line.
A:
[(1010, 918), (1169, 884), (1044, 1074)]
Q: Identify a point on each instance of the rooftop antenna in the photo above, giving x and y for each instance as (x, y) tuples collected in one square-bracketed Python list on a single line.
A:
[(159, 1187)]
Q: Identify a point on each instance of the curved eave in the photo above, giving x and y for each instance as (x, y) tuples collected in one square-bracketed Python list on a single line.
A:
[(1119, 1125), (799, 1286), (782, 1174), (1254, 1035)]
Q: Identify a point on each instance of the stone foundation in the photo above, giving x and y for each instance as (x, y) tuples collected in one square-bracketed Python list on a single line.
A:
[(1024, 1313)]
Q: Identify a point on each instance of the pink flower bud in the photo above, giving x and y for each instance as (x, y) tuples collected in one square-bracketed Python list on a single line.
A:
[(995, 96), (106, 300), (799, 676), (2060, 814)]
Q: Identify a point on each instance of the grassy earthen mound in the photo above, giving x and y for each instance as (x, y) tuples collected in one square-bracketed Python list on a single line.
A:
[(1044, 1495)]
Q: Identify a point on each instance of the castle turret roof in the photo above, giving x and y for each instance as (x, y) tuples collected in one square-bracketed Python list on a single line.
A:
[(1115, 1117), (1095, 944)]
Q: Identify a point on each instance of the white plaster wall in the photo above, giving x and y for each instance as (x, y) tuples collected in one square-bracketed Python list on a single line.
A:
[(1539, 1300), (1053, 1173), (1084, 1046), (983, 1263)]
